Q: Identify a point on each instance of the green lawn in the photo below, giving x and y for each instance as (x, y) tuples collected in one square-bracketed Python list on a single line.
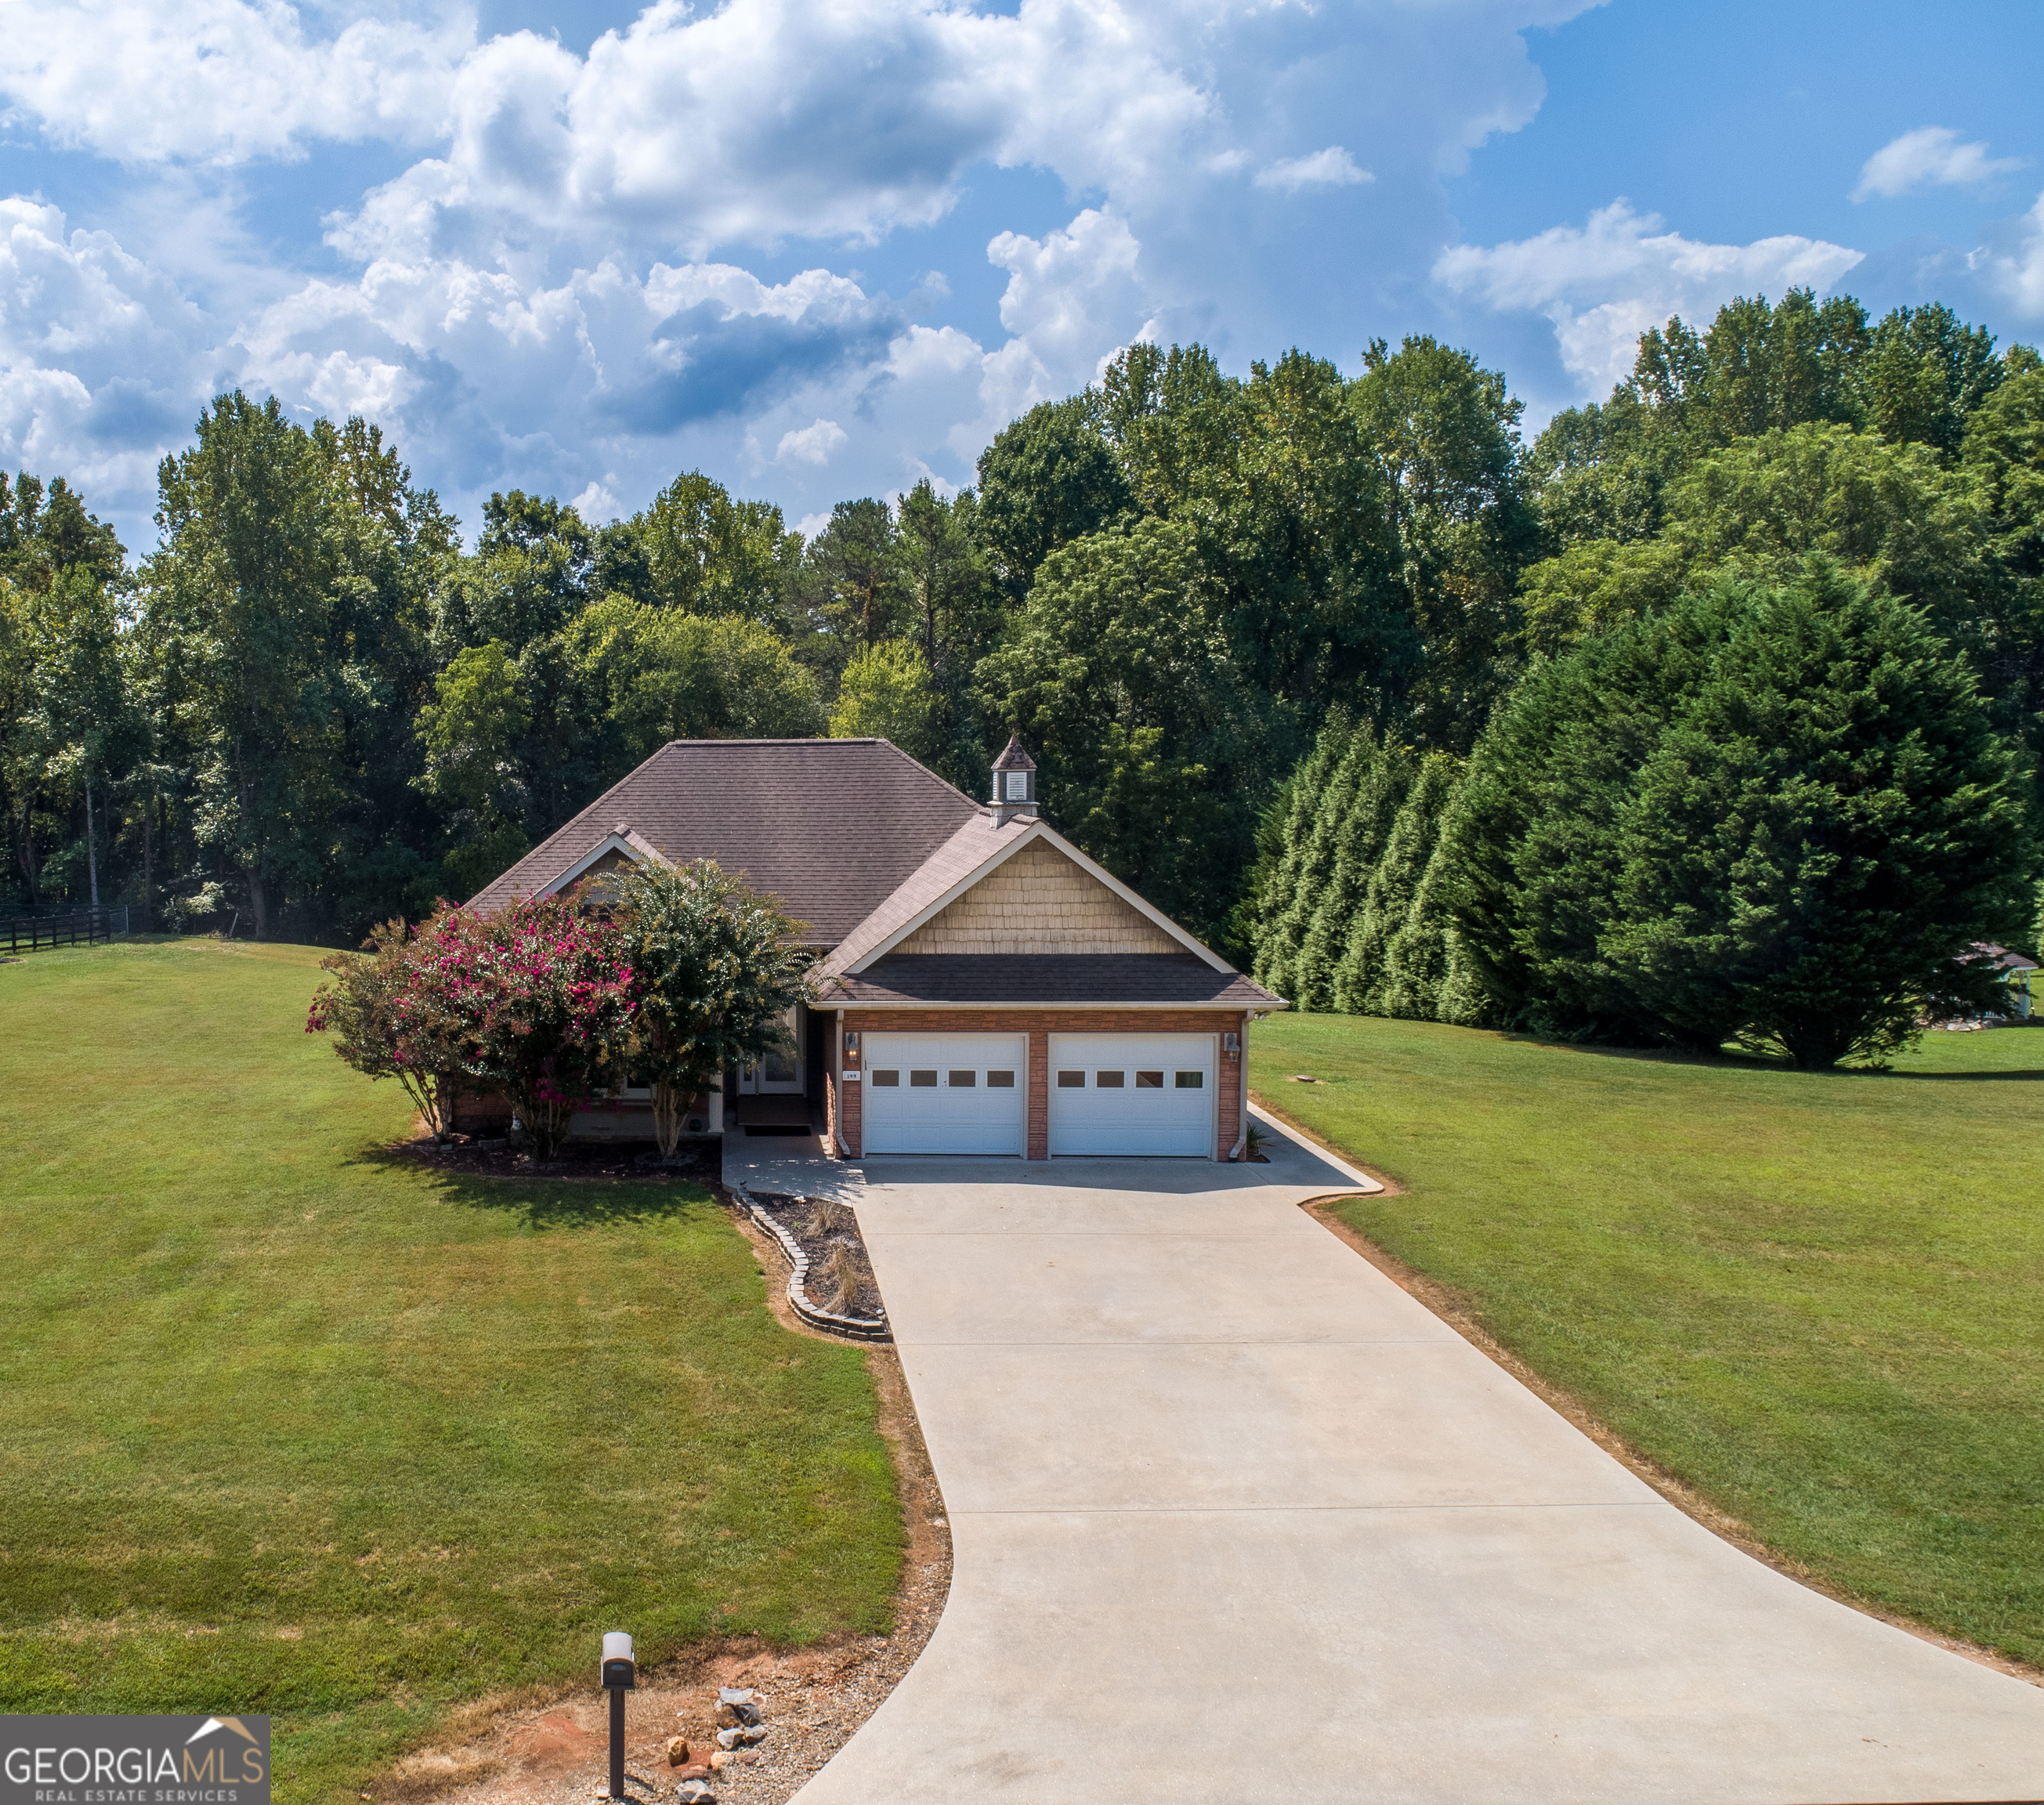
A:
[(289, 1425), (1818, 1299)]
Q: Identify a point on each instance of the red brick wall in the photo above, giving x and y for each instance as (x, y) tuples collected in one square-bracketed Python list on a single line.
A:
[(1040, 1025)]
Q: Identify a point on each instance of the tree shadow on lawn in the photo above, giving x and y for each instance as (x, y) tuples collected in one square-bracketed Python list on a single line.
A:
[(1736, 1059), (541, 1202)]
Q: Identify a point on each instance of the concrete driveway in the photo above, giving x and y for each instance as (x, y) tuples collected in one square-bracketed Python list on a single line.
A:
[(1236, 1519)]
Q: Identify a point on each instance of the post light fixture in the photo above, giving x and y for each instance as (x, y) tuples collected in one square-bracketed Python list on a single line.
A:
[(620, 1675)]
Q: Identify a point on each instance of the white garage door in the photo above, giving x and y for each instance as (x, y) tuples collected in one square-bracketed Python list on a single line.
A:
[(1141, 1094), (945, 1093)]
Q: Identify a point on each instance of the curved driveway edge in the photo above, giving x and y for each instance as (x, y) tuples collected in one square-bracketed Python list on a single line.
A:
[(1234, 1517)]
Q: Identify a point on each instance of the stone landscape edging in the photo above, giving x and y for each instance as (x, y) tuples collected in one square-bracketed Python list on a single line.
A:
[(857, 1328)]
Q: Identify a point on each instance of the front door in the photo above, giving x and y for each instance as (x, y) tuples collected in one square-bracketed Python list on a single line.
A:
[(780, 1073)]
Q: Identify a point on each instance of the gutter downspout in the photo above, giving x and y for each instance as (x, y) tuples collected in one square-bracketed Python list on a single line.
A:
[(837, 1075), (1241, 1060)]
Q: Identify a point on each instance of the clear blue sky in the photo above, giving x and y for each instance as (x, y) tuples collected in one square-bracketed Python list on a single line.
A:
[(820, 251)]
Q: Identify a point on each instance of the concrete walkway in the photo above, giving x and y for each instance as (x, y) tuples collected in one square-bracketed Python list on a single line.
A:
[(1235, 1517)]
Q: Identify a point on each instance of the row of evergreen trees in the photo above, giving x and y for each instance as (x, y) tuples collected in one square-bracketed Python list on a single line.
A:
[(1773, 813), (1348, 911)]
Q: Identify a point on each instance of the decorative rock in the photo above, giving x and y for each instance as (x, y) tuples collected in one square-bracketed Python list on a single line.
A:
[(734, 1705), (696, 1770), (695, 1793), (677, 1751), (741, 1736), (718, 1761)]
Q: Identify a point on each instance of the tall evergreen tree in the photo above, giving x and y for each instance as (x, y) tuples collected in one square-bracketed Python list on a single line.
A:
[(1281, 839), (1316, 835), (1359, 844), (1362, 977), (1426, 975), (1777, 811)]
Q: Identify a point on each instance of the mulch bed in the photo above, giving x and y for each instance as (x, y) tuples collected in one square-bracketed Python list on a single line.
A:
[(480, 1156), (840, 1275)]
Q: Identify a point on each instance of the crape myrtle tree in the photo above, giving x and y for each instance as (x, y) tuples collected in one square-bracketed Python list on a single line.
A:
[(397, 1010), (715, 968), (535, 1001), (1778, 812)]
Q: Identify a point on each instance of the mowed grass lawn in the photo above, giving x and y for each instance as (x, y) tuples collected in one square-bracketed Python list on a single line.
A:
[(1817, 1298), (288, 1425)]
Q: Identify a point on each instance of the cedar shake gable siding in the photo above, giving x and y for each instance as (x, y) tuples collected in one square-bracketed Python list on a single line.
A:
[(1038, 901), (832, 828)]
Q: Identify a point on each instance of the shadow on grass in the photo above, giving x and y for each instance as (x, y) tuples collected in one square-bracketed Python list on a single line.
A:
[(1738, 1059), (544, 1202)]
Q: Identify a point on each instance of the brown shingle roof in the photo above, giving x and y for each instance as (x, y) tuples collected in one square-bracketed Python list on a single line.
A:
[(833, 827), (1048, 980), (974, 843)]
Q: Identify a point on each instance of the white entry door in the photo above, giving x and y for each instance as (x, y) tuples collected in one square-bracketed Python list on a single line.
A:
[(1132, 1094), (945, 1093)]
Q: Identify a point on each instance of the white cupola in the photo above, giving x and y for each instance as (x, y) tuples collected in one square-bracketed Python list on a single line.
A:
[(1014, 783)]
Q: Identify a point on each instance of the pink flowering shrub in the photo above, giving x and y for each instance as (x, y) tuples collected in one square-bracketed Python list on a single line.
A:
[(535, 1001), (384, 1025)]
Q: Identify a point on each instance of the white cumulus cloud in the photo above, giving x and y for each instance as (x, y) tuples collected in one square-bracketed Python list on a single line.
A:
[(1073, 297), (813, 445), (221, 81), (1603, 283), (104, 364), (2015, 268), (1932, 156), (1331, 168)]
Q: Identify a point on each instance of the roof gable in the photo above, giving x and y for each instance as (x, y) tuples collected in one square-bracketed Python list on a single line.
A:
[(1037, 900), (972, 856), (831, 828)]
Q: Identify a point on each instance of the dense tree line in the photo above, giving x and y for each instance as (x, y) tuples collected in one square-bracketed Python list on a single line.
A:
[(1261, 632)]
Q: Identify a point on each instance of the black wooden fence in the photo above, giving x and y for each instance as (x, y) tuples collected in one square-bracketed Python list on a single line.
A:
[(32, 930)]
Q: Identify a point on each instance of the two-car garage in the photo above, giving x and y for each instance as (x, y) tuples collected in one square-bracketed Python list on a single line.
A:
[(1108, 1093)]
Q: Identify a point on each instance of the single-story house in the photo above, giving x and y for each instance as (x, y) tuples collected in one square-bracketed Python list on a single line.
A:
[(980, 986)]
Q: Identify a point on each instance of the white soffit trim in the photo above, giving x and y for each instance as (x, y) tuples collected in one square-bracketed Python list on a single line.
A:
[(621, 839), (1039, 830)]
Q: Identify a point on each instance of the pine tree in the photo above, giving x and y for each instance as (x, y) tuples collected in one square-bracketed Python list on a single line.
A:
[(1279, 889), (1319, 839), (1359, 844), (1359, 979), (1418, 956)]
